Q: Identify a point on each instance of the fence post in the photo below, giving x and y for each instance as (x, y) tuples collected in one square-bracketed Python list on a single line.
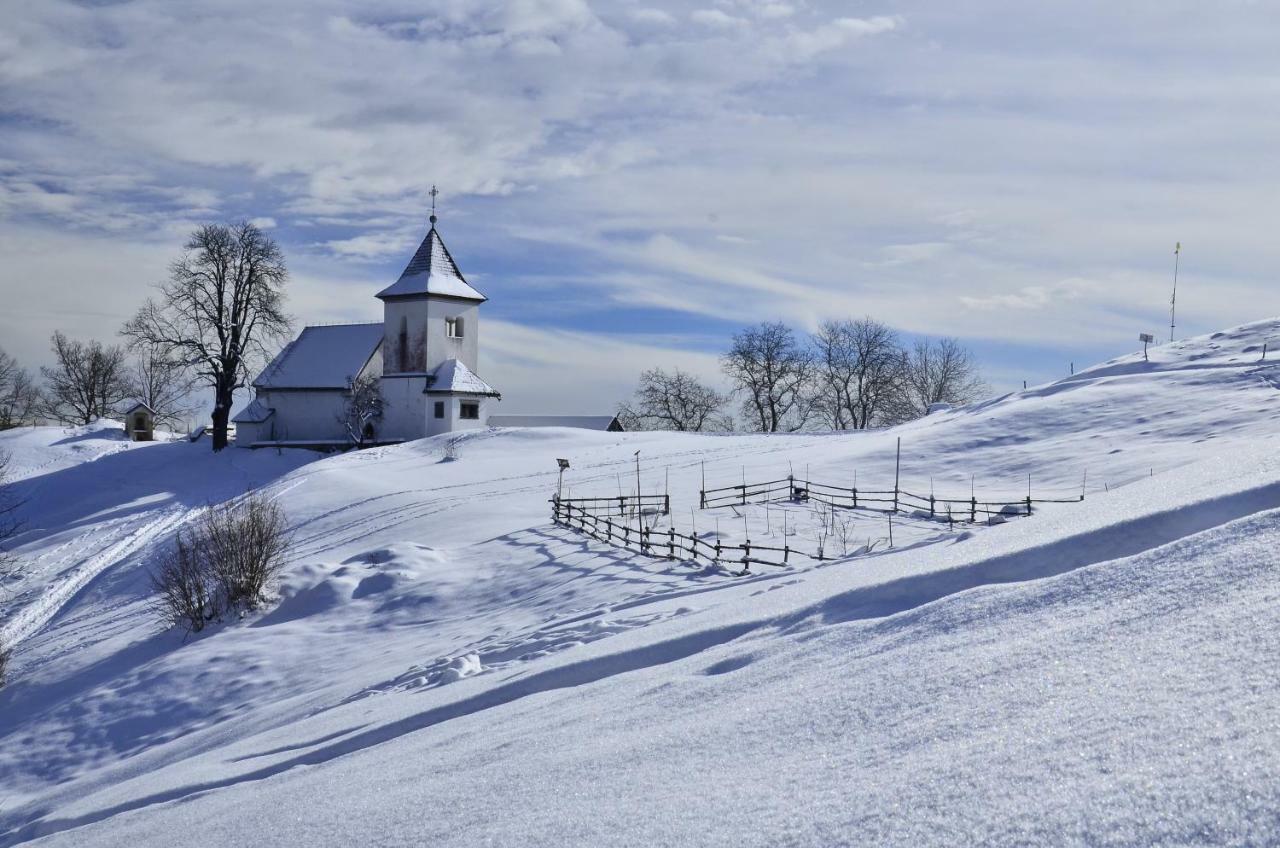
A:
[(717, 550), (622, 505), (897, 467), (671, 543), (931, 506), (786, 552), (746, 556), (608, 524), (973, 509), (702, 499), (855, 497), (666, 504), (1028, 504), (744, 494)]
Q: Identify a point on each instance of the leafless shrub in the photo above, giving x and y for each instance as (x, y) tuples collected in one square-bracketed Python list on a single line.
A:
[(842, 532), (450, 451), (245, 543), (222, 563), (184, 586)]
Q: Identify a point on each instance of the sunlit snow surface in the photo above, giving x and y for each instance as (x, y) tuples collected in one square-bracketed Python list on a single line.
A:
[(444, 666)]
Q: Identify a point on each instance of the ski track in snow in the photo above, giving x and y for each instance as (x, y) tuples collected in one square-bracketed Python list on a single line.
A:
[(82, 559)]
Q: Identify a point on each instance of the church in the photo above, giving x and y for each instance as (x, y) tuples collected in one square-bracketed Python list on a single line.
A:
[(423, 355)]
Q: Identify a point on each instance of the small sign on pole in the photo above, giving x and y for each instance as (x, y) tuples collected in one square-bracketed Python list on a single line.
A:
[(564, 466), (1146, 339)]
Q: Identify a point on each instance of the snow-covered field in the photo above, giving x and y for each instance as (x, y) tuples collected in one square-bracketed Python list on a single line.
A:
[(446, 666)]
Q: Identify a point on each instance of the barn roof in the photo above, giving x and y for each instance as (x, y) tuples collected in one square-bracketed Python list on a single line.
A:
[(322, 357), (452, 376), (583, 422), (432, 271)]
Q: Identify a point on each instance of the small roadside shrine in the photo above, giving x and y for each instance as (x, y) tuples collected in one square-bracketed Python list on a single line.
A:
[(140, 423)]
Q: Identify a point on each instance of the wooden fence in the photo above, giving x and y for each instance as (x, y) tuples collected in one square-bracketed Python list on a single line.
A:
[(580, 514), (886, 500)]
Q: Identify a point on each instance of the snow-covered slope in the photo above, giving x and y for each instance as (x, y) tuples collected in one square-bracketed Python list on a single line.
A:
[(447, 666)]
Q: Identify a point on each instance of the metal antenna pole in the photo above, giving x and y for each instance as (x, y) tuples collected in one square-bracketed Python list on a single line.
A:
[(639, 511), (1173, 301)]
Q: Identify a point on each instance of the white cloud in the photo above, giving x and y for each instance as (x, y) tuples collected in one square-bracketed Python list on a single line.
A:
[(716, 18)]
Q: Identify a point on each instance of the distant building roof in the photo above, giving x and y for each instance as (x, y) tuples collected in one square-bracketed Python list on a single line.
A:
[(609, 423), (139, 405), (322, 357), (255, 413), (432, 271), (452, 376)]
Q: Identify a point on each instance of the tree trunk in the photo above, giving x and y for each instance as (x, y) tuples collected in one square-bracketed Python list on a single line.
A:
[(221, 413)]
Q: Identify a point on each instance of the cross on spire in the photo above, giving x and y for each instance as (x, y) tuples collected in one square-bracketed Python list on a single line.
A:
[(433, 194)]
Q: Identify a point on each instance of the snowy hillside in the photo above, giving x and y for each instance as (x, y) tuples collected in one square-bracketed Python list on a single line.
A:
[(446, 666)]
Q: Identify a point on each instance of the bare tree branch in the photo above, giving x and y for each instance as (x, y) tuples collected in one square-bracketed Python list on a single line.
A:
[(771, 372), (87, 382), (19, 394), (859, 373), (221, 306), (675, 401)]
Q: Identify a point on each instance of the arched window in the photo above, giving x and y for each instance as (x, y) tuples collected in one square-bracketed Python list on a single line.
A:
[(453, 328)]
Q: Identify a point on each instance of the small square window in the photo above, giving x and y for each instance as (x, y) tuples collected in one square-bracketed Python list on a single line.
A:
[(469, 410), (439, 409)]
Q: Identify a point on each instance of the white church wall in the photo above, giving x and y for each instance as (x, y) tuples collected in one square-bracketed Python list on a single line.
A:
[(405, 412), (412, 315), (453, 420), (308, 415), (439, 345)]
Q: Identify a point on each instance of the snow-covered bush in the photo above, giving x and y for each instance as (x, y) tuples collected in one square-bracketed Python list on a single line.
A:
[(245, 543), (222, 563), (184, 586), (5, 653)]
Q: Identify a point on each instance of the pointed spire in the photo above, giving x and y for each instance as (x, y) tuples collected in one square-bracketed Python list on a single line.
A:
[(432, 270)]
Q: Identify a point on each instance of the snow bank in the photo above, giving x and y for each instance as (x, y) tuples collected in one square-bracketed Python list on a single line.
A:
[(438, 644)]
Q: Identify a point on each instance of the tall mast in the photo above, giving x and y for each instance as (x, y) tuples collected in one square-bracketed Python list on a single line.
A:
[(1173, 301)]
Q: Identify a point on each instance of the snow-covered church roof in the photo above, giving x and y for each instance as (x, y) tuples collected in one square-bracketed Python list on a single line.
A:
[(432, 271), (322, 357), (452, 376)]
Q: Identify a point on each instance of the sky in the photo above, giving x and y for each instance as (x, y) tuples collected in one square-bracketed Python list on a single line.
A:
[(631, 182)]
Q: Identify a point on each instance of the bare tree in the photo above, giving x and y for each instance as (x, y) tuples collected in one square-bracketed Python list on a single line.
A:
[(364, 409), (771, 372), (163, 384), (19, 395), (941, 371), (87, 382), (223, 302), (859, 373), (674, 401), (10, 525)]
